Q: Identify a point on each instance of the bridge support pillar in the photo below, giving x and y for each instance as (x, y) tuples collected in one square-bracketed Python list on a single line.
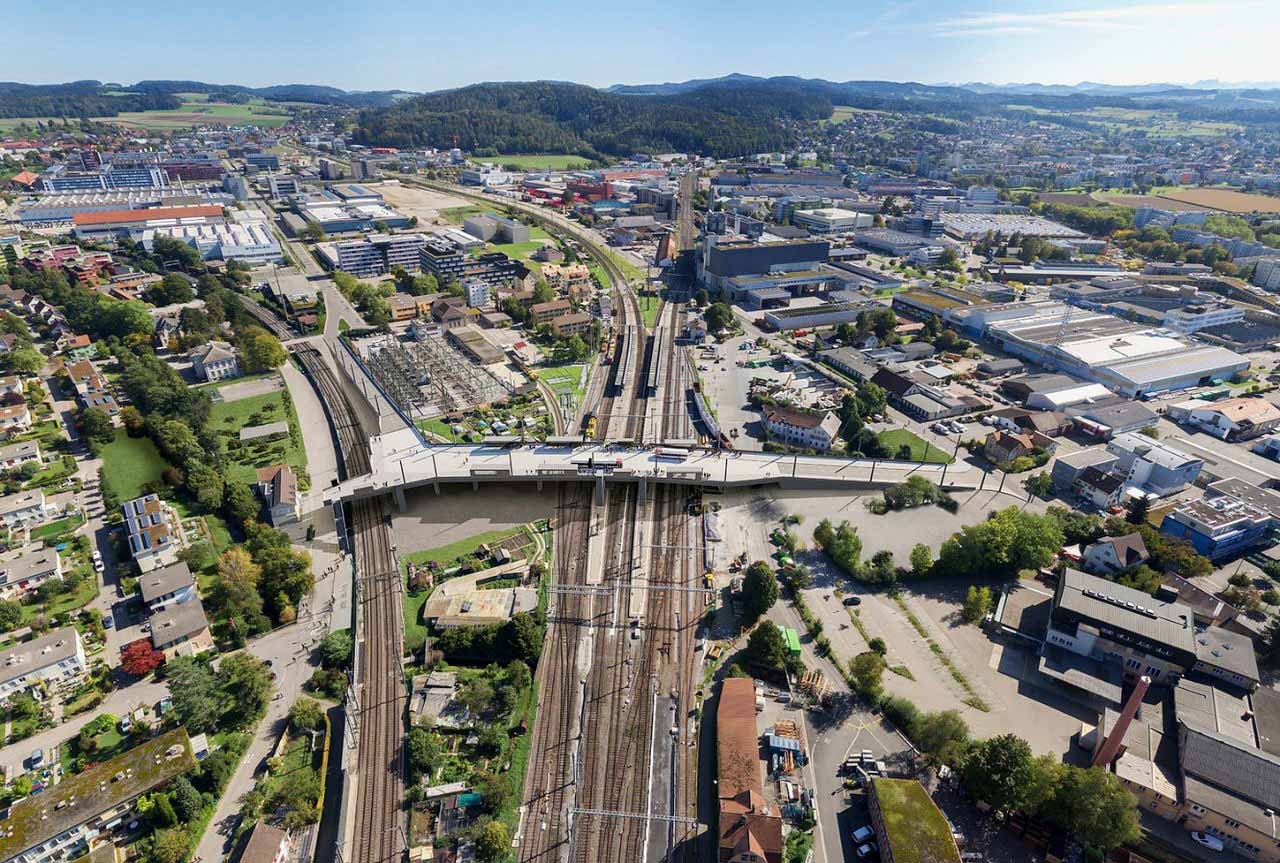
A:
[(600, 493), (643, 489), (399, 496), (539, 485), (436, 486), (475, 484)]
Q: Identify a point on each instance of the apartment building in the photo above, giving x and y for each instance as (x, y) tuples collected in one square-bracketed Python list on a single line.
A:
[(477, 291), (64, 821), (573, 324), (442, 259), (17, 454), (154, 532), (1153, 466), (278, 487), (545, 313), (57, 660)]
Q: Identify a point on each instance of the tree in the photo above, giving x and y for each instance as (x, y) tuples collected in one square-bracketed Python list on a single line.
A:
[(1000, 772), (921, 559), (139, 658), (1008, 541), (168, 846), (336, 649), (492, 842), (718, 317), (95, 425), (942, 734), (187, 802), (759, 590), (162, 814), (305, 715), (10, 615), (197, 698), (1039, 484), (424, 750), (313, 232), (977, 603), (261, 350), (173, 288), (246, 684), (766, 647), (240, 504), (1137, 508), (25, 361), (701, 298), (867, 669), (1094, 804)]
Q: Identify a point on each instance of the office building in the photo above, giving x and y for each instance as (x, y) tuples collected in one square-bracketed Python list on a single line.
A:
[(1232, 519), (723, 259), (109, 178), (1153, 466), (1119, 629), (281, 186), (1233, 419), (364, 169), (442, 259), (215, 361), (278, 487), (832, 220), (63, 821), (330, 170), (1266, 274), (263, 161), (909, 826)]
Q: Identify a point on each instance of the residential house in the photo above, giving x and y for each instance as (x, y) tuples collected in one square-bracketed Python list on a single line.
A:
[(919, 399), (23, 509), (1002, 447), (59, 823), (1115, 553), (215, 361), (168, 327), (181, 629), (266, 844), (28, 570), (167, 585), (56, 659), (153, 530), (15, 419), (77, 347), (805, 429), (17, 454), (1098, 488), (11, 385), (1048, 423), (278, 487), (451, 313)]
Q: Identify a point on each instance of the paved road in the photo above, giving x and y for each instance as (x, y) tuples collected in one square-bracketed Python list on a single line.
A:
[(322, 461), (336, 308)]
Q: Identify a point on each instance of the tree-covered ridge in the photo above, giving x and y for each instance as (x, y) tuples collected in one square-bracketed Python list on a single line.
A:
[(544, 116), (77, 99)]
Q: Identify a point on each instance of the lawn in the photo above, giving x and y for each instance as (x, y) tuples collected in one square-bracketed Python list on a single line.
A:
[(53, 529), (566, 378), (921, 450), (415, 631), (545, 161), (130, 463), (519, 251), (458, 215), (228, 418), (84, 593), (650, 306)]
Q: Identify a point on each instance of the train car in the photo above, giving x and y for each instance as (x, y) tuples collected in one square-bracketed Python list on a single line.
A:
[(667, 453), (587, 419)]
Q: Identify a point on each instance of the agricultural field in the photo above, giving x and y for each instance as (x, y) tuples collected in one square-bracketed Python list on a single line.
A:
[(545, 161), (1121, 199), (1225, 200), (197, 110), (1155, 123)]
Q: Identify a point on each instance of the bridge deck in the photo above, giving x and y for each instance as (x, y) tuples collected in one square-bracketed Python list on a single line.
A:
[(400, 461)]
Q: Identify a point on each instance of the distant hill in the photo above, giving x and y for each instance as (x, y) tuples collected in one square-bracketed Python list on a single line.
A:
[(547, 116), (311, 93)]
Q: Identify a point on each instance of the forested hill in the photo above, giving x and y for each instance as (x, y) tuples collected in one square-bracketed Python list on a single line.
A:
[(546, 117), (75, 100)]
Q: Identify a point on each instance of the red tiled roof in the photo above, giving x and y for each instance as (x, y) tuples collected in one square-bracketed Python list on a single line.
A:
[(25, 178), (146, 215)]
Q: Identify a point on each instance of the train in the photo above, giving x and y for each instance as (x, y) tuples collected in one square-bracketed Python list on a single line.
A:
[(670, 453), (589, 424)]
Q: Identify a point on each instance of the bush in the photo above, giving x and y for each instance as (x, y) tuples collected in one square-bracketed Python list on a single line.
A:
[(902, 712)]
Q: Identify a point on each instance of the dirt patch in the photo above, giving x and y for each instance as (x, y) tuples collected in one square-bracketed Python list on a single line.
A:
[(423, 203), (1136, 201), (1074, 199)]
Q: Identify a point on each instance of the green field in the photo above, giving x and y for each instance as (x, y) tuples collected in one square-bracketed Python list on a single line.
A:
[(545, 161), (921, 450), (519, 251), (196, 110), (565, 378), (227, 418), (129, 463), (458, 215)]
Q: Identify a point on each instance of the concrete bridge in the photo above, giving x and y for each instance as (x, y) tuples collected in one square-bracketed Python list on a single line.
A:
[(401, 461)]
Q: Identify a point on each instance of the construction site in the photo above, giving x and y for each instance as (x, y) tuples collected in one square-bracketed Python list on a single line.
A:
[(430, 377)]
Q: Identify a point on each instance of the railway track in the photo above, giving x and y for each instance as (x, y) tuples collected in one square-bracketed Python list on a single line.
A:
[(269, 319), (380, 695), (549, 780)]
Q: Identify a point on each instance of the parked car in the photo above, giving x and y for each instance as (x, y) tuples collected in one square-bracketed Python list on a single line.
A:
[(853, 600), (865, 851), (126, 724), (1213, 843), (863, 833), (108, 621)]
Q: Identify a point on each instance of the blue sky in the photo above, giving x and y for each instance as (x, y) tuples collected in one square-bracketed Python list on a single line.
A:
[(433, 45)]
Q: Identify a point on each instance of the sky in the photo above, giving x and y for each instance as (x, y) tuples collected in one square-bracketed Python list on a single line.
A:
[(430, 45)]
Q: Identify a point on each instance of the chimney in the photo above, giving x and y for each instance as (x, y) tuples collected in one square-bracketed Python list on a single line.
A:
[(1111, 745)]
